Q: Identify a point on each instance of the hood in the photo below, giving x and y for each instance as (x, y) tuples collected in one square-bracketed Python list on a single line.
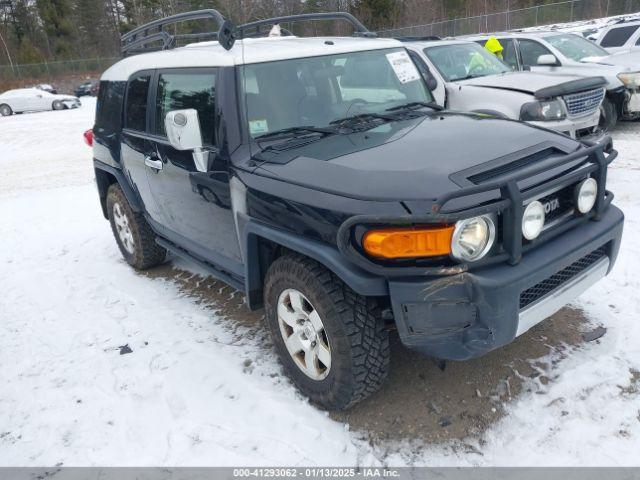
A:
[(538, 84), (629, 61), (412, 159)]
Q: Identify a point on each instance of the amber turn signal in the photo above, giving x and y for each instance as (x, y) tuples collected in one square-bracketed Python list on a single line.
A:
[(409, 242)]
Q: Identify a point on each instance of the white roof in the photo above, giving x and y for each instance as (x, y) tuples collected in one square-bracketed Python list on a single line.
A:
[(435, 43), (252, 50)]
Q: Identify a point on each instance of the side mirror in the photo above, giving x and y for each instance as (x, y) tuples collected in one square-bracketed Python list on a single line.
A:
[(547, 60), (183, 132), (432, 83)]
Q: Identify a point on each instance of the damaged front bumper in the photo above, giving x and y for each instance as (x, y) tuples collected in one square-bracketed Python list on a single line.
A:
[(581, 128), (466, 315)]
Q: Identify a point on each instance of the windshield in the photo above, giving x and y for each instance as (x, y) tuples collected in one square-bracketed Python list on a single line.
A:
[(315, 91), (575, 47), (464, 60)]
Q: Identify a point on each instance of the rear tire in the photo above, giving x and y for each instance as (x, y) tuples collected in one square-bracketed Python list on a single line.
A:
[(608, 115), (134, 236), (306, 303), (58, 105), (5, 110)]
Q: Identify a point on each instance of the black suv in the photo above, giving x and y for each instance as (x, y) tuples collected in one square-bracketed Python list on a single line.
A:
[(317, 176)]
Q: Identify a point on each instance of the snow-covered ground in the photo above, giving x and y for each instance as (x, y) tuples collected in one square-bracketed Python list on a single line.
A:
[(200, 389)]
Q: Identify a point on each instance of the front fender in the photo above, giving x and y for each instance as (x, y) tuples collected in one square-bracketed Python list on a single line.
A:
[(363, 283)]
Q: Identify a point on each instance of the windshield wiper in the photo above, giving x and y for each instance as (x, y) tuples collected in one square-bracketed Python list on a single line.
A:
[(415, 105), (294, 132), (362, 119)]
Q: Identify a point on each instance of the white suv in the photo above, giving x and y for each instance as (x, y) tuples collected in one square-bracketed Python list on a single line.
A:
[(464, 76), (567, 53), (621, 37)]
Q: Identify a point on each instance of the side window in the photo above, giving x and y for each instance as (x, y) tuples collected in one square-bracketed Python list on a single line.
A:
[(530, 50), (136, 113), (509, 53), (179, 91), (109, 105), (617, 37), (422, 67)]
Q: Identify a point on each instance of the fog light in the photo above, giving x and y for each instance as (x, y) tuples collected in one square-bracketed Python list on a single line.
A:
[(533, 220), (473, 238), (586, 194)]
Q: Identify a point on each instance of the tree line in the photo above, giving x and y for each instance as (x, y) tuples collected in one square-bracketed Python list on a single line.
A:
[(34, 31)]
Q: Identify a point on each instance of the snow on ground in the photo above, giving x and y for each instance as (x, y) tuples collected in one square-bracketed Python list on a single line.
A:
[(199, 390)]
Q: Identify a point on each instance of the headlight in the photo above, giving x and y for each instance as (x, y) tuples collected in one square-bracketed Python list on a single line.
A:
[(473, 238), (586, 194), (630, 80), (533, 220), (542, 111)]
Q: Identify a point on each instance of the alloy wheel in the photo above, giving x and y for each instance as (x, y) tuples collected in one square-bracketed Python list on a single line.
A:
[(123, 228), (304, 334)]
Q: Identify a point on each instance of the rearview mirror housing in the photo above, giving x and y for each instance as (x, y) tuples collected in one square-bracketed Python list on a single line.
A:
[(548, 60), (183, 132)]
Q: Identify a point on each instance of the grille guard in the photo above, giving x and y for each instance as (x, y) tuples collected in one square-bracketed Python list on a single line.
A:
[(510, 206)]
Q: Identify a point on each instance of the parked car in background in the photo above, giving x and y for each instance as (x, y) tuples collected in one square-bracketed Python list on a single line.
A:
[(47, 88), (569, 53), (464, 76), (86, 88), (622, 37), (33, 100)]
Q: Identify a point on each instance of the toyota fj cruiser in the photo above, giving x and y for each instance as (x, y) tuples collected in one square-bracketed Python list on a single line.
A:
[(316, 176)]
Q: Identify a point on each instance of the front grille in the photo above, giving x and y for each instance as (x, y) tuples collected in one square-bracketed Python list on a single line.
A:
[(558, 204), (584, 103), (558, 279)]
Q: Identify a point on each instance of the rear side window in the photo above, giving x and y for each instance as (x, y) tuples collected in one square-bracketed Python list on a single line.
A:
[(179, 91), (109, 106), (617, 37), (137, 93), (530, 50)]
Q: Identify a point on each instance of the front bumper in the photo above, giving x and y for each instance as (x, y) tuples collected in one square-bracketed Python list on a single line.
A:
[(577, 128), (466, 315), (75, 103), (632, 103)]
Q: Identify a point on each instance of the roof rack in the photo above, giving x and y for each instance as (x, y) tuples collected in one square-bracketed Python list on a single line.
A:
[(136, 40), (244, 31), (424, 38)]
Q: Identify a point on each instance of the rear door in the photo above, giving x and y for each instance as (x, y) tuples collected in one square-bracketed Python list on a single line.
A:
[(136, 148), (195, 206)]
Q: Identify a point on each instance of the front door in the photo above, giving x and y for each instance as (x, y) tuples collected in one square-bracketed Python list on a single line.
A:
[(530, 51), (195, 206), (135, 145)]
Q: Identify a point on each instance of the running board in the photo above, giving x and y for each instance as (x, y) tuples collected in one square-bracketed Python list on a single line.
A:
[(215, 272)]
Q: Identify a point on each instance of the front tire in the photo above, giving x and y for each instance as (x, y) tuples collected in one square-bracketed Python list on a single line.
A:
[(134, 236), (58, 105), (331, 342), (5, 110)]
